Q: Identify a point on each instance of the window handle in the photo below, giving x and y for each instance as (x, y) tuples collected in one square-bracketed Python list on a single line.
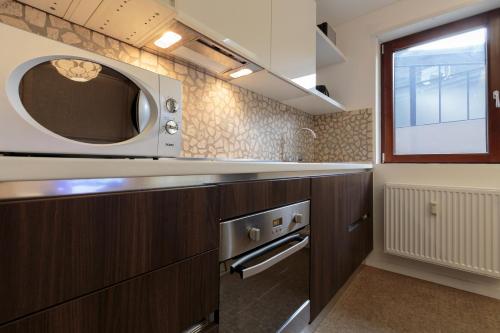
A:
[(496, 97)]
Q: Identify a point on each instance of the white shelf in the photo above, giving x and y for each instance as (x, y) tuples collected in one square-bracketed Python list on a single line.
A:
[(289, 93), (315, 103), (327, 53), (265, 83)]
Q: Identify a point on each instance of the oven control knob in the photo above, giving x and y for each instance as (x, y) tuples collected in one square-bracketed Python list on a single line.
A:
[(172, 105), (254, 234), (171, 127), (298, 218)]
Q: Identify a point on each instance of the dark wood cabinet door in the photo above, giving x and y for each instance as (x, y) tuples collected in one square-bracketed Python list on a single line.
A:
[(211, 329), (53, 250), (169, 299), (237, 199), (341, 232), (328, 239)]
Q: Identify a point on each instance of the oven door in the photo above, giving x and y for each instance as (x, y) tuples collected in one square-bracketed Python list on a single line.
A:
[(267, 289)]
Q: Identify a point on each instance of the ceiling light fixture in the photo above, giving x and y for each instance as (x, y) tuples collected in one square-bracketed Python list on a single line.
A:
[(168, 39), (77, 70), (240, 73)]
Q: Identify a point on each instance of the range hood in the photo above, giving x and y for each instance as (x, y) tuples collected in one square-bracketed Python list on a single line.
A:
[(141, 23), (196, 49)]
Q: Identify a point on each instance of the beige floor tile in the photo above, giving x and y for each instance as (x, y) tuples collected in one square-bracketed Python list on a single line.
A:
[(378, 301)]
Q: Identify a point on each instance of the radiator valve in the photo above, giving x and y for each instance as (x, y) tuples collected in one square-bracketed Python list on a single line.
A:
[(434, 208)]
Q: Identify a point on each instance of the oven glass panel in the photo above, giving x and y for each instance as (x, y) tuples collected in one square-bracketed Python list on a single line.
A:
[(264, 302), (83, 101)]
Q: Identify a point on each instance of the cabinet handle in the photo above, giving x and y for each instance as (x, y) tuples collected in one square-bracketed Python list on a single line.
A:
[(354, 225)]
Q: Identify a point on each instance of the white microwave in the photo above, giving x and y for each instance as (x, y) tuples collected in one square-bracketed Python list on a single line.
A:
[(56, 99)]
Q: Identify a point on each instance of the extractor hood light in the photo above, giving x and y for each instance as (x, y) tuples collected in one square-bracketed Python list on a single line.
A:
[(168, 39), (240, 73)]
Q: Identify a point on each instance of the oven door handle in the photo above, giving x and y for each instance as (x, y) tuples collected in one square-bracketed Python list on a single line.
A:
[(246, 272)]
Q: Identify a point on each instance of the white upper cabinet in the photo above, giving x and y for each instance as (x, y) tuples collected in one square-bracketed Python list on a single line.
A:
[(244, 26), (57, 8), (133, 22), (293, 49), (129, 21)]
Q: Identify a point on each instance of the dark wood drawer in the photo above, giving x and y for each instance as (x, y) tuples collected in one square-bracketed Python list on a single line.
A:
[(359, 187), (360, 245), (170, 299), (237, 199), (341, 232), (53, 250), (360, 218)]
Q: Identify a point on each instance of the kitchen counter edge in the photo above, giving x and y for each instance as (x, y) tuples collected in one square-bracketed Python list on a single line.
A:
[(23, 178)]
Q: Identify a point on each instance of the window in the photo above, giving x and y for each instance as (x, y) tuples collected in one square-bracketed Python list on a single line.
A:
[(437, 93)]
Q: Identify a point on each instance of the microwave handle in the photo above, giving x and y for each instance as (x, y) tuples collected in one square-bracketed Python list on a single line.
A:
[(142, 112), (246, 272)]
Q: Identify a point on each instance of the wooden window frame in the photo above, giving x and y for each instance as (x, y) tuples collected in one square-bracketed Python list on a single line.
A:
[(490, 20)]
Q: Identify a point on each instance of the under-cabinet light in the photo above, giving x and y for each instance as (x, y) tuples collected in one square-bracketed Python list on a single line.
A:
[(240, 73), (168, 39)]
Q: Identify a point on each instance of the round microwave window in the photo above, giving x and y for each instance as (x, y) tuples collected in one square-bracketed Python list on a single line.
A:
[(84, 101)]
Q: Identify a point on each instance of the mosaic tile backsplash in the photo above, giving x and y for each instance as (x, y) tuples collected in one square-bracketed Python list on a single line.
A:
[(220, 119), (344, 136)]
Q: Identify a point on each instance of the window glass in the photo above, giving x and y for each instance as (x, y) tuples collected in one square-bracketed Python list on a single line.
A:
[(440, 96), (426, 83), (402, 97)]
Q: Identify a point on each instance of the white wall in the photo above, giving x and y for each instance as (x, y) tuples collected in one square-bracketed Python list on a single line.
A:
[(355, 84)]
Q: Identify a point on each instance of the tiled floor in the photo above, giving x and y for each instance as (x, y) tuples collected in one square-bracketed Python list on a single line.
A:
[(379, 301)]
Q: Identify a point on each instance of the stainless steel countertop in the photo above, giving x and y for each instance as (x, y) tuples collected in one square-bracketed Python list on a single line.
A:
[(22, 168), (14, 190)]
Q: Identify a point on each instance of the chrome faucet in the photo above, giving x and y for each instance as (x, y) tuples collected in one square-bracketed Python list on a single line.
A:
[(307, 129), (283, 141), (300, 158)]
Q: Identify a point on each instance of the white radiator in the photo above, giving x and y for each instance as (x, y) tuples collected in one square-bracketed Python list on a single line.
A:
[(453, 227)]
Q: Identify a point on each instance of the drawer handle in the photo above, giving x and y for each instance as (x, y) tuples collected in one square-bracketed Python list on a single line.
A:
[(353, 226)]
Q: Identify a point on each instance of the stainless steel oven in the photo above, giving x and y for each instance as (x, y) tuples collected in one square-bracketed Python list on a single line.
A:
[(264, 261)]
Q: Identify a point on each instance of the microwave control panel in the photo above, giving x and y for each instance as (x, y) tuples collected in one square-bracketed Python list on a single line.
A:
[(170, 140)]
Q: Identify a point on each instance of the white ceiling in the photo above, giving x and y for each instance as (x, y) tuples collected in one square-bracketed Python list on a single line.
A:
[(337, 12)]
